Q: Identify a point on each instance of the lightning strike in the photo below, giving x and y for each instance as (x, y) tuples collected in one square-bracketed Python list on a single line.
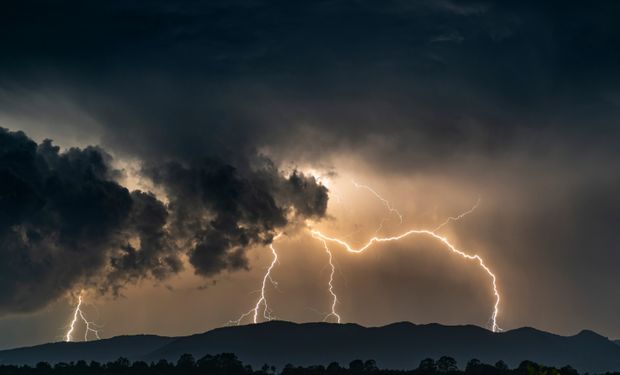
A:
[(386, 203), (331, 286), (262, 301), (494, 327), (458, 217), (79, 314)]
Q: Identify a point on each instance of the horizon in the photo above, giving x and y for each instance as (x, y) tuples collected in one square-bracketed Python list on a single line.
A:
[(275, 321), (398, 346)]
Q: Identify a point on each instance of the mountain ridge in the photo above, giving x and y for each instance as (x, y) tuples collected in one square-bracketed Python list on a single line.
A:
[(399, 345)]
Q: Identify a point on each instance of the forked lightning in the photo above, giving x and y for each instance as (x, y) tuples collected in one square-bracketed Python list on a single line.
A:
[(78, 314), (262, 301), (333, 312), (444, 240)]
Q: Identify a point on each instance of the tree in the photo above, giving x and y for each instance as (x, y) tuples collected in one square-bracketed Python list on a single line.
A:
[(43, 366), (163, 367), (428, 365), (267, 370), (58, 367), (501, 365), (472, 366), (119, 365), (527, 368), (225, 363), (334, 368), (370, 366), (568, 370), (356, 366), (288, 369), (186, 361), (446, 364), (140, 366)]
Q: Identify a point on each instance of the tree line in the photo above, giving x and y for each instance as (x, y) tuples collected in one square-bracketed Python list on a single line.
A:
[(229, 364)]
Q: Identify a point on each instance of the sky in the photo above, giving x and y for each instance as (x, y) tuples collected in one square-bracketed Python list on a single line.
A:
[(152, 152)]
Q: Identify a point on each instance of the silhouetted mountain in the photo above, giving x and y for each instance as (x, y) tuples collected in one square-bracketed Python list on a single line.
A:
[(101, 350), (398, 346)]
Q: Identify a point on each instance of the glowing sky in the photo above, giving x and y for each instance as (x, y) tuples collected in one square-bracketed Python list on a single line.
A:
[(244, 120)]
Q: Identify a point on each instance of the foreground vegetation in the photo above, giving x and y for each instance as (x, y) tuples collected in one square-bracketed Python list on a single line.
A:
[(229, 364)]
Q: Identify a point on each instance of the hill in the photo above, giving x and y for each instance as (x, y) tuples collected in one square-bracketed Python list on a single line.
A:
[(397, 346), (101, 350)]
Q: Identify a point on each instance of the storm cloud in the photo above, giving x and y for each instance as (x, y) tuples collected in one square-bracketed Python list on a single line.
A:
[(245, 209), (62, 217), (433, 79), (66, 223)]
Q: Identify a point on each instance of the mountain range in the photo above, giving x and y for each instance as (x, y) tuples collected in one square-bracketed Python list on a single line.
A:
[(396, 346)]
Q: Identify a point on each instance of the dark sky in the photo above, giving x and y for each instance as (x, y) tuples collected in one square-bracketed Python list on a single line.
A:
[(186, 136)]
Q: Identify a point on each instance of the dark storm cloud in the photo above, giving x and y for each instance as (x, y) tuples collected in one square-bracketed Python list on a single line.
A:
[(244, 209), (157, 254), (62, 218), (65, 221), (447, 77)]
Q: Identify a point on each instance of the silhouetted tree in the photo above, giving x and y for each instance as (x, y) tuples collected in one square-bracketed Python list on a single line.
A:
[(568, 370), (120, 365), (501, 365), (186, 362), (334, 368), (140, 368), (163, 367), (266, 370), (475, 367), (288, 369), (446, 364), (527, 368), (222, 364), (427, 366), (370, 365), (229, 364), (356, 366), (43, 367), (60, 366), (94, 365), (472, 365)]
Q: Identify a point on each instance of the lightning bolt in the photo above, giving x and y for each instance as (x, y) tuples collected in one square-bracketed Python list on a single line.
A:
[(79, 314), (385, 202), (458, 217), (331, 286), (262, 301), (494, 327)]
